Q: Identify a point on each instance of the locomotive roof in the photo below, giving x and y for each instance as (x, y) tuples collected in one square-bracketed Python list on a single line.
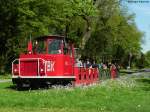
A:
[(49, 36), (54, 36)]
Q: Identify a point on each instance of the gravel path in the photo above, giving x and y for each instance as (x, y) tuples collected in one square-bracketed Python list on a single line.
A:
[(5, 80), (145, 73)]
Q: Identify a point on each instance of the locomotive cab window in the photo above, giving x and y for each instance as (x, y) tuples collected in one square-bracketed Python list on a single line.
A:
[(54, 46), (40, 47), (66, 50)]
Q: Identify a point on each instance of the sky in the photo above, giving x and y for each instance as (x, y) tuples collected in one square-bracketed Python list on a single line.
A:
[(141, 9)]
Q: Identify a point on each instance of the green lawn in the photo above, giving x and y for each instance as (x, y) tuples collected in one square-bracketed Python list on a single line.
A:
[(123, 95)]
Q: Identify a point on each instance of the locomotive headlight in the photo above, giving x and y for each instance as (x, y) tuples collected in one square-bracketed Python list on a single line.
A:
[(15, 70), (42, 70)]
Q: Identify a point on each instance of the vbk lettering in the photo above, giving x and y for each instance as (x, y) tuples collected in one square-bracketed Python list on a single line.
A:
[(50, 66)]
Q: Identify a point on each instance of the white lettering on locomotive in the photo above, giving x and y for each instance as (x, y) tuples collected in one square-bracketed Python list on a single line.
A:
[(50, 66)]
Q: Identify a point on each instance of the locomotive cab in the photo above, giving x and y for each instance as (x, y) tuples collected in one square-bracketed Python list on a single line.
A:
[(51, 59), (48, 45)]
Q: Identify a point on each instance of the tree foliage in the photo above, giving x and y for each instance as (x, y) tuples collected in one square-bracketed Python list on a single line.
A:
[(147, 59), (115, 33), (99, 26)]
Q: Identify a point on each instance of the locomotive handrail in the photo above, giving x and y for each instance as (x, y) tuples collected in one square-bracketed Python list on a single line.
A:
[(28, 59), (13, 66)]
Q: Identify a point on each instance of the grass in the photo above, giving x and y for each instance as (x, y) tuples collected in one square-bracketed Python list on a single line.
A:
[(121, 95)]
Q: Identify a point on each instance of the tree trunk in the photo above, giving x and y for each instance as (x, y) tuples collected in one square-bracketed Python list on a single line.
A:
[(87, 32)]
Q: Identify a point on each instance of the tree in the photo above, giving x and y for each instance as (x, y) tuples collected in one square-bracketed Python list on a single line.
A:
[(115, 33), (147, 59), (100, 26), (20, 18)]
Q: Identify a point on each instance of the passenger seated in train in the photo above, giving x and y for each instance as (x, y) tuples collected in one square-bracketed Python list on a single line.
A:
[(78, 63)]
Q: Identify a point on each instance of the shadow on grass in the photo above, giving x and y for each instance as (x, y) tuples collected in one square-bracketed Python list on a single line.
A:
[(27, 88), (144, 84), (15, 88), (144, 80)]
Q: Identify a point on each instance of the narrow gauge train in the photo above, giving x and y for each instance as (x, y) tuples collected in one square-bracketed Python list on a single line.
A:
[(51, 60)]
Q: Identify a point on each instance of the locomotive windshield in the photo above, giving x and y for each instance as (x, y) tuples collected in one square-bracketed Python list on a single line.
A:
[(54, 46), (40, 47)]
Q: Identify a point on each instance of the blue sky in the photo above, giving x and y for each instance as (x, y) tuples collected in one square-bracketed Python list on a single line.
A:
[(142, 19)]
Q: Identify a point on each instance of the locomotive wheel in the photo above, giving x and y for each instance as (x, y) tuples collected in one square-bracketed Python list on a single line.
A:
[(19, 86), (34, 85)]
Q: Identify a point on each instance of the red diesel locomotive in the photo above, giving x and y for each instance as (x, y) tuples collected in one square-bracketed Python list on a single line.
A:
[(51, 61)]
